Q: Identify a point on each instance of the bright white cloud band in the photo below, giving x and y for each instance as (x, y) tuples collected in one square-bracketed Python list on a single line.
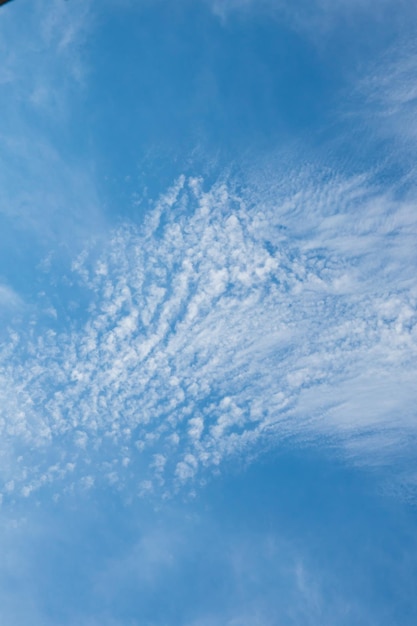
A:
[(225, 320)]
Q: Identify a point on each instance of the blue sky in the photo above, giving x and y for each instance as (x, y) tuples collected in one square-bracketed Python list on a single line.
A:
[(208, 307)]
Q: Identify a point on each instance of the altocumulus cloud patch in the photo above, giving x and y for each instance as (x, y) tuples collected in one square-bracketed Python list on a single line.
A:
[(228, 320)]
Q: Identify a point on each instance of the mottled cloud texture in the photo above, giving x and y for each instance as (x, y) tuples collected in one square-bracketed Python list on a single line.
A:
[(230, 317)]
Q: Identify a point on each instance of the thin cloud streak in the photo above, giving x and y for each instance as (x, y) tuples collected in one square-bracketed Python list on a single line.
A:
[(389, 98), (314, 18)]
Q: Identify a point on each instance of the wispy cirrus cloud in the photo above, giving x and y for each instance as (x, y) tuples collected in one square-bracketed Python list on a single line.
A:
[(41, 49), (227, 321), (317, 17), (8, 297), (42, 72), (389, 97), (48, 196)]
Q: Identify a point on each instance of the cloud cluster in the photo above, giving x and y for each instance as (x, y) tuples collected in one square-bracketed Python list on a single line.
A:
[(231, 318)]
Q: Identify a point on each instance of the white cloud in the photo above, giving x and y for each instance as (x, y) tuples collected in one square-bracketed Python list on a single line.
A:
[(226, 320)]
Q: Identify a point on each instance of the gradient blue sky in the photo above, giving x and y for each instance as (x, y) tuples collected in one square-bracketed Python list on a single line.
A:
[(208, 313)]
